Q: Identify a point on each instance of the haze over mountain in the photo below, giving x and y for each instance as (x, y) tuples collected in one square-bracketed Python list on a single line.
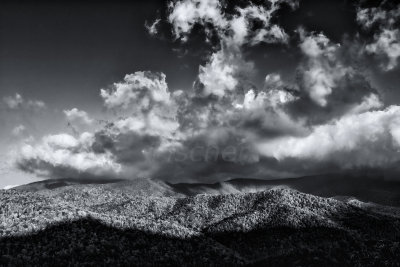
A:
[(366, 186)]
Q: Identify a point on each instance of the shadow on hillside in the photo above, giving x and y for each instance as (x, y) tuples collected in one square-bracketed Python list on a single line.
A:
[(89, 242)]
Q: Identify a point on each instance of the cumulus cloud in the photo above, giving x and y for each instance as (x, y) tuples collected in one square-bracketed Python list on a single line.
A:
[(78, 116), (224, 72), (145, 103), (322, 71), (224, 126), (184, 14), (63, 155), (177, 136), (234, 28), (329, 84), (16, 102), (386, 43), (226, 68), (145, 125), (386, 40)]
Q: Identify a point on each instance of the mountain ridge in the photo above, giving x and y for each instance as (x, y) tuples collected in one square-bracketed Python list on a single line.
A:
[(366, 187), (274, 226)]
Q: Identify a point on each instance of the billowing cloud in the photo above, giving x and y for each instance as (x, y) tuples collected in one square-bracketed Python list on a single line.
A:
[(225, 71), (144, 126), (322, 71), (78, 116), (386, 41), (225, 126), (63, 155), (329, 85), (226, 68), (144, 103), (234, 28)]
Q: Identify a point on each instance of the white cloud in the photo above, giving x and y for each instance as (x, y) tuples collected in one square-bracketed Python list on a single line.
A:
[(367, 139), (223, 73), (18, 102), (13, 102), (323, 70), (232, 29), (152, 28), (184, 14), (138, 91), (367, 17), (63, 151), (372, 101), (386, 43), (145, 101), (19, 130), (78, 116)]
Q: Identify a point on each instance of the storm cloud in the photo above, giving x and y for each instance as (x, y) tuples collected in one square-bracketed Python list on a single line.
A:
[(328, 116)]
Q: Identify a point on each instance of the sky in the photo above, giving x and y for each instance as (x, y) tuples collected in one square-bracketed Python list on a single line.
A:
[(197, 90)]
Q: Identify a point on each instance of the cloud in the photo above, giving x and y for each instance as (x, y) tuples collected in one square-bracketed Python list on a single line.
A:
[(63, 155), (180, 136), (145, 125), (184, 14), (224, 126), (233, 28), (386, 40), (145, 104), (386, 43), (17, 102), (78, 116), (18, 130), (226, 69), (224, 72), (322, 70), (369, 139), (141, 89), (328, 83), (152, 28), (13, 102)]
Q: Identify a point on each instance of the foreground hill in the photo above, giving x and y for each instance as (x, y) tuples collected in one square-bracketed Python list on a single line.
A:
[(99, 224)]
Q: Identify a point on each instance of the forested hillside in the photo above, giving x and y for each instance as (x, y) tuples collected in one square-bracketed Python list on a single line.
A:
[(95, 224)]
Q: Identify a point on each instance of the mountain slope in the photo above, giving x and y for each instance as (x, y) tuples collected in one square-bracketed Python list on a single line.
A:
[(97, 225), (367, 187)]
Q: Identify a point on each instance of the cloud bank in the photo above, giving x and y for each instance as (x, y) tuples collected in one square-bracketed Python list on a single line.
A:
[(329, 118)]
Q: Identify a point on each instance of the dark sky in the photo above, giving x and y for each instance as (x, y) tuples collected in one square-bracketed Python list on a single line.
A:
[(80, 47), (63, 52)]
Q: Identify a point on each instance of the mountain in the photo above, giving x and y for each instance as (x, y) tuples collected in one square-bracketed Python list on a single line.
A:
[(62, 182), (367, 187), (99, 224)]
